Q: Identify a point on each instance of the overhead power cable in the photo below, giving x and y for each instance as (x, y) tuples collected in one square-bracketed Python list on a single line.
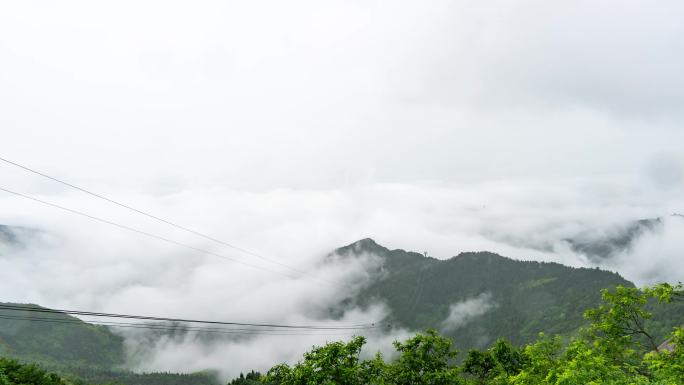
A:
[(181, 320), (145, 233), (170, 328), (157, 218)]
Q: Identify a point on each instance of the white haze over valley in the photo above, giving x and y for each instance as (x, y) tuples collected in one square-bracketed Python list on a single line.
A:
[(80, 264), (293, 128)]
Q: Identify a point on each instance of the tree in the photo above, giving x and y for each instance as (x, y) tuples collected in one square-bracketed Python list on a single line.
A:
[(500, 361), (617, 348), (541, 363), (587, 363), (12, 372), (667, 365), (425, 359), (620, 321), (480, 365), (666, 293), (252, 378), (336, 363), (3, 378)]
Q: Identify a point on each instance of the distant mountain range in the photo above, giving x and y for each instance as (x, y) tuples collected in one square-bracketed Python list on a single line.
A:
[(607, 243), (474, 297), (16, 236)]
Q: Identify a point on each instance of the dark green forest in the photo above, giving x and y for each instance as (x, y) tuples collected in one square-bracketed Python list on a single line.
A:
[(75, 351), (526, 297)]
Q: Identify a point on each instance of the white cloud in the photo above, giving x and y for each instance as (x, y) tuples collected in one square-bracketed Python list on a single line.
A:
[(86, 265), (656, 256), (463, 312)]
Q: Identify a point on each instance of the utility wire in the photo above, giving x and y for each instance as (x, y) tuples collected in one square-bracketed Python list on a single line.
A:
[(170, 328), (166, 221), (113, 315), (145, 233), (151, 318)]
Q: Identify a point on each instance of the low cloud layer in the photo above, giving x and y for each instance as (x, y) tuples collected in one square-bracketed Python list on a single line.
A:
[(73, 262), (463, 312)]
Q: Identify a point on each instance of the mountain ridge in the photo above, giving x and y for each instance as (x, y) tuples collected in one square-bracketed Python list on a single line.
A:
[(472, 297), (528, 296)]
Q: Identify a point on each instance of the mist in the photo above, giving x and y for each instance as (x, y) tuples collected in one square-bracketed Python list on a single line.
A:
[(73, 262), (462, 312)]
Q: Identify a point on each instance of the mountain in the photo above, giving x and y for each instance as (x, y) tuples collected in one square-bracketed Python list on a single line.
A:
[(58, 339), (614, 241), (603, 244), (477, 297), (474, 298), (77, 350), (16, 236)]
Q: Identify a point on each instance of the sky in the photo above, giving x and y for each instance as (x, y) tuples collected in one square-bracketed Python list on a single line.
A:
[(293, 128)]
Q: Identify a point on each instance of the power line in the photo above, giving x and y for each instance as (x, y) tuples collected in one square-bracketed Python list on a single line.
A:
[(181, 320), (170, 328), (166, 221), (145, 233)]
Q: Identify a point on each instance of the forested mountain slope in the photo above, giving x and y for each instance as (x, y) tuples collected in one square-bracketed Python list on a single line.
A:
[(478, 297), (77, 350), (58, 339)]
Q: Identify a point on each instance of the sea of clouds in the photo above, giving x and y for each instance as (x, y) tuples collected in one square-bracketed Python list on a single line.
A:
[(74, 262)]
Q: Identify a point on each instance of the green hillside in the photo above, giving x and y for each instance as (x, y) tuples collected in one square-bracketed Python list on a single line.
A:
[(58, 339), (524, 298), (76, 350)]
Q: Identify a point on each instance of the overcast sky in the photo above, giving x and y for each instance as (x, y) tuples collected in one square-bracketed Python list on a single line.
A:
[(164, 96), (291, 128)]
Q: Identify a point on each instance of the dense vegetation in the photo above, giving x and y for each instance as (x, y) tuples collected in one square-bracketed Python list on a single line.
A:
[(56, 339), (525, 298), (12, 372), (616, 348), (76, 351)]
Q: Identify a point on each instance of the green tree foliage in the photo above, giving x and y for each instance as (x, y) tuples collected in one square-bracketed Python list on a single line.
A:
[(667, 365), (59, 339), (542, 359), (252, 378), (425, 359), (336, 363), (617, 348), (498, 362), (479, 364), (14, 373)]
